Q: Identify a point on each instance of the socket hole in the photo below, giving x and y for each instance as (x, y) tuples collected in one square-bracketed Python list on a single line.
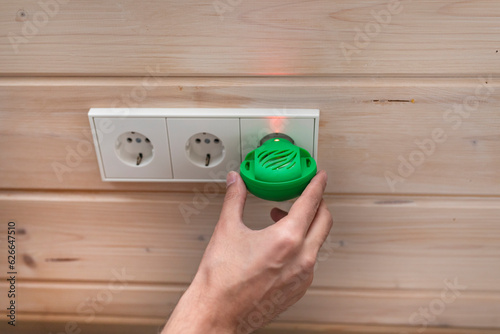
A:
[(137, 155), (208, 155), (247, 166), (308, 162), (139, 159)]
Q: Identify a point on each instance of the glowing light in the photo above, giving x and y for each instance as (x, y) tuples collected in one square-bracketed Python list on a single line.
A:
[(277, 124), (276, 140)]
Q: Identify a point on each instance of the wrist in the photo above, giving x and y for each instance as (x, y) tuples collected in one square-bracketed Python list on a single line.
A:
[(197, 313)]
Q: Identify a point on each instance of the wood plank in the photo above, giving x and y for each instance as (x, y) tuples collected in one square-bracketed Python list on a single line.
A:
[(250, 37), (43, 324), (366, 127), (363, 307), (376, 242), (279, 328)]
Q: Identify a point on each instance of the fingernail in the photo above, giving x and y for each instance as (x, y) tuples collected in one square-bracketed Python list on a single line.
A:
[(231, 178)]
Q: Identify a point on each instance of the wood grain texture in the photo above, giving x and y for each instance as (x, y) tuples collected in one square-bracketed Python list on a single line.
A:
[(43, 324), (367, 127), (376, 242), (390, 78), (447, 37), (155, 302)]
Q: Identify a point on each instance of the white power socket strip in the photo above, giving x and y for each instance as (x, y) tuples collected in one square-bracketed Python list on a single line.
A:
[(189, 144)]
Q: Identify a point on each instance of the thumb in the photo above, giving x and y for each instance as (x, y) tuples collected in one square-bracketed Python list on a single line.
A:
[(234, 202)]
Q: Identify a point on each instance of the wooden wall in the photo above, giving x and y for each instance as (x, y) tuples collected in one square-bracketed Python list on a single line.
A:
[(409, 95)]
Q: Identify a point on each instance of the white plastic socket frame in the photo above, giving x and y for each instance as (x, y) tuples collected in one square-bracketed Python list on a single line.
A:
[(189, 144)]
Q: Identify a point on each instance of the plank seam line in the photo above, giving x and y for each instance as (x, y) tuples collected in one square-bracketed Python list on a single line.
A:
[(180, 287), (5, 192), (277, 324), (240, 75)]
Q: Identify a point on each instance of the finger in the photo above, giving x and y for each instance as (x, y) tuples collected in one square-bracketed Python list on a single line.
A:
[(277, 214), (234, 201), (320, 228), (304, 209)]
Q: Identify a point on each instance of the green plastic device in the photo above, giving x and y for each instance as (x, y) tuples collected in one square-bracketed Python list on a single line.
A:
[(277, 170)]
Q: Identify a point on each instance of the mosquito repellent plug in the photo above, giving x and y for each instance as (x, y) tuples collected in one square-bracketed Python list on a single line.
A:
[(277, 170)]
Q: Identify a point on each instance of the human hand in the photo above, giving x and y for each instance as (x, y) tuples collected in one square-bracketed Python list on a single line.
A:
[(246, 277)]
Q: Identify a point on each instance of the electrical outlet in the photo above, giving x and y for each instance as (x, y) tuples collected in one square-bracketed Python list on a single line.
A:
[(204, 148), (132, 149), (190, 144)]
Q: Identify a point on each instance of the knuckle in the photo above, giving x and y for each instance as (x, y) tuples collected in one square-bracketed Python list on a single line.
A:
[(330, 218), (330, 221), (307, 263), (288, 240)]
